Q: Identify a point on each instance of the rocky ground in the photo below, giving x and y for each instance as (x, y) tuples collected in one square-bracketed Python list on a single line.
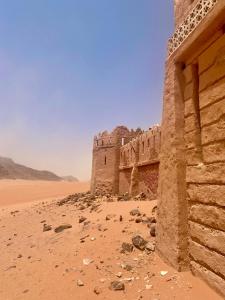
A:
[(86, 247)]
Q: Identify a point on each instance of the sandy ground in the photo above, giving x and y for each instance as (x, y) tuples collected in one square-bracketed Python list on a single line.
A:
[(37, 265), (20, 191)]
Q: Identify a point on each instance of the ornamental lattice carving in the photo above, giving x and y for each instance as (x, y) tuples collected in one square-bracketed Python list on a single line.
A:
[(197, 14)]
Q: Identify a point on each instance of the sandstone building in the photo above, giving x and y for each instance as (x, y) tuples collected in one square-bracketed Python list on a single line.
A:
[(191, 207), (126, 161), (190, 145)]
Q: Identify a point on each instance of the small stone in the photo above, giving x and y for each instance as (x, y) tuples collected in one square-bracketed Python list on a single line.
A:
[(109, 217), (97, 290), (138, 220), (126, 267), (163, 273), (135, 212), (139, 242), (47, 227), (62, 227), (93, 239), (87, 261), (121, 218), (80, 283), (82, 219), (127, 247), (117, 286), (153, 230), (119, 274), (19, 256), (150, 246)]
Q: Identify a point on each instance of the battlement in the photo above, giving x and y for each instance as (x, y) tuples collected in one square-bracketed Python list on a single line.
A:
[(121, 135), (143, 149)]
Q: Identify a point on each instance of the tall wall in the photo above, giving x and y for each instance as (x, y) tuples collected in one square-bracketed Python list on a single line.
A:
[(191, 206), (205, 143), (139, 164)]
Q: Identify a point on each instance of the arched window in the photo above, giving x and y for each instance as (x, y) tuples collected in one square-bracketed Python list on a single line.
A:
[(105, 160)]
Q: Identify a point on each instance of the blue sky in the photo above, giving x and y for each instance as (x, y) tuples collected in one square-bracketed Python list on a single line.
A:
[(71, 68)]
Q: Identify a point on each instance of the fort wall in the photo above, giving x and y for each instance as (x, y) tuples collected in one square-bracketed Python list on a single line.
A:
[(191, 207)]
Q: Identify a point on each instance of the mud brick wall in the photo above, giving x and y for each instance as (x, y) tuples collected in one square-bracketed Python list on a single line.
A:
[(125, 180), (148, 180), (205, 144)]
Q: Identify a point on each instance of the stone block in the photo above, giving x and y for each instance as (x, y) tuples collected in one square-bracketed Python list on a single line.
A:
[(193, 156), (208, 215), (213, 113), (212, 259), (214, 132), (212, 94), (213, 239), (214, 152), (207, 194), (212, 173), (215, 281)]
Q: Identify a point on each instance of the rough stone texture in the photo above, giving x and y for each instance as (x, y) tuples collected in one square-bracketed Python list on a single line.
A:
[(210, 259), (213, 239), (124, 180), (191, 174), (172, 225), (208, 215), (207, 194), (210, 277), (213, 173), (148, 180)]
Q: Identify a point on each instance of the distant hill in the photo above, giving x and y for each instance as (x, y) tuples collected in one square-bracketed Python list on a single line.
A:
[(11, 170), (70, 178)]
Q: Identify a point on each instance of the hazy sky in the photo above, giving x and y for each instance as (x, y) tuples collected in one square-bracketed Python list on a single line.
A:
[(72, 68)]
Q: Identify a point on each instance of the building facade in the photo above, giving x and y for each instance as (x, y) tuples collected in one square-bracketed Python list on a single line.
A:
[(126, 161), (191, 205)]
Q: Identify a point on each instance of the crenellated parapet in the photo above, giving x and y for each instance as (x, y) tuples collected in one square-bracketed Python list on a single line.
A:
[(143, 149)]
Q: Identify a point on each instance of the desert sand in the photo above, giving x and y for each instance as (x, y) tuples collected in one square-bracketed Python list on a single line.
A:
[(20, 191), (45, 265)]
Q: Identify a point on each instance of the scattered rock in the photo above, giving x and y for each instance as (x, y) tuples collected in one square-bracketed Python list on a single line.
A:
[(135, 212), (127, 247), (139, 242), (47, 227), (62, 227), (138, 220), (163, 273), (153, 229), (87, 261), (150, 246), (119, 274), (117, 286), (97, 290), (121, 218), (80, 283), (109, 217), (126, 267), (82, 219)]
